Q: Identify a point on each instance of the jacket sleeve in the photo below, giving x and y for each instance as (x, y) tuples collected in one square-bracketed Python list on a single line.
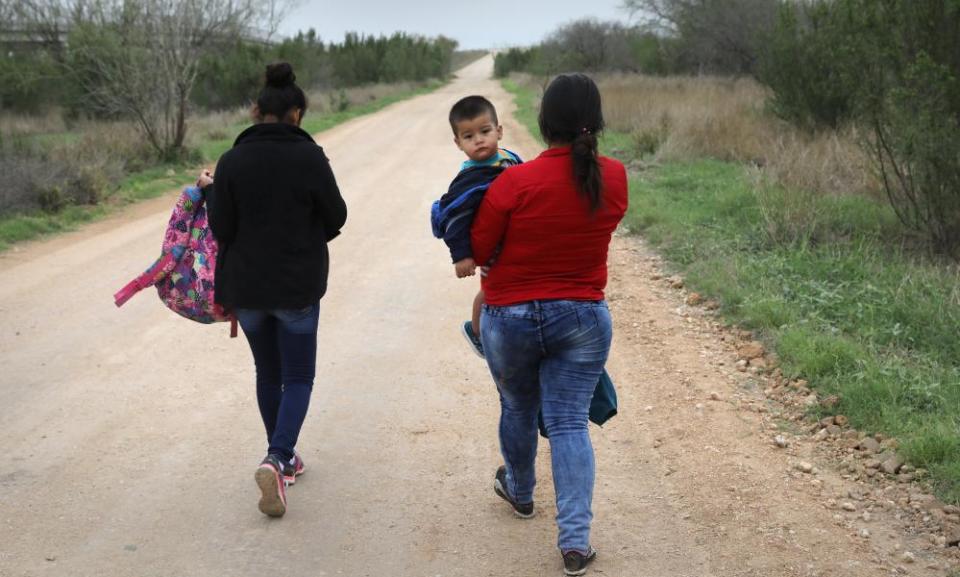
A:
[(221, 209), (490, 222), (456, 227), (330, 206), (457, 236)]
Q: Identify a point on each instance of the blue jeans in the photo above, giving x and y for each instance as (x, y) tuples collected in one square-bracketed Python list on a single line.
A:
[(548, 355), (284, 346)]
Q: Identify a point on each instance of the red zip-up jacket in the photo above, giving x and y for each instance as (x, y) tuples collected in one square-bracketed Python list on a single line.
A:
[(553, 245)]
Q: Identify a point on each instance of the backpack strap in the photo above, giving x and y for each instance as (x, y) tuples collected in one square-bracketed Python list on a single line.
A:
[(150, 277), (175, 242)]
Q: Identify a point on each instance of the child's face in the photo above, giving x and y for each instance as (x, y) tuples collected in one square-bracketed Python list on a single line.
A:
[(478, 137)]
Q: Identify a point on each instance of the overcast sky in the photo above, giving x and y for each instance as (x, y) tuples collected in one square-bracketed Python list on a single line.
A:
[(483, 24)]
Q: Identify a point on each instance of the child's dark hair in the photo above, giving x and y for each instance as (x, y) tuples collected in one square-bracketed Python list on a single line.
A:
[(571, 113), (280, 93), (469, 108)]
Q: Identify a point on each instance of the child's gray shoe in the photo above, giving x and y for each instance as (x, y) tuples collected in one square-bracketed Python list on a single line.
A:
[(472, 338)]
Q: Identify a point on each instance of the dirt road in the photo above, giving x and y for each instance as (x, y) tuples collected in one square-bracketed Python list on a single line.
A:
[(129, 437)]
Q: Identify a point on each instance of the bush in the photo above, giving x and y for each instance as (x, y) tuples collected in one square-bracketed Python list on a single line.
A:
[(231, 76), (513, 60), (916, 140), (50, 198), (30, 80), (52, 171), (893, 68), (806, 65), (89, 186)]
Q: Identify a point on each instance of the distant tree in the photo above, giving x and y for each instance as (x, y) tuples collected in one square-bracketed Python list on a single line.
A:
[(514, 60), (368, 59), (140, 58), (714, 35), (30, 73), (588, 45)]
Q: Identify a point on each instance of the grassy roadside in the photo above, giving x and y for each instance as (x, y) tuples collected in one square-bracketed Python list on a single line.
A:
[(859, 319), (158, 180)]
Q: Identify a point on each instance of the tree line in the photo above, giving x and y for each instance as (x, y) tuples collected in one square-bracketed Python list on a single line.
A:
[(231, 75), (152, 61), (890, 68)]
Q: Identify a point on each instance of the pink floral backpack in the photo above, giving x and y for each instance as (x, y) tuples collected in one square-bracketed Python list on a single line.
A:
[(184, 272)]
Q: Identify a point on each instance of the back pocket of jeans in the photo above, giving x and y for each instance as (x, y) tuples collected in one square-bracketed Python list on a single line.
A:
[(290, 315)]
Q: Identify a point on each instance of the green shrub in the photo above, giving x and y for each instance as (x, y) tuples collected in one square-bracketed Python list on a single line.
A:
[(50, 198), (513, 60), (806, 64), (894, 68), (916, 142)]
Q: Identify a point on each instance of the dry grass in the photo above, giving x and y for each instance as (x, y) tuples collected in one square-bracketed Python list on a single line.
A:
[(687, 118), (682, 118), (50, 122), (50, 162), (215, 125)]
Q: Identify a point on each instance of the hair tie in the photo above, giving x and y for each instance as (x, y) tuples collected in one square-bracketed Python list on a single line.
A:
[(585, 131)]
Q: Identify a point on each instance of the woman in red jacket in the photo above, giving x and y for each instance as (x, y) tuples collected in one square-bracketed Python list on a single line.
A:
[(545, 227)]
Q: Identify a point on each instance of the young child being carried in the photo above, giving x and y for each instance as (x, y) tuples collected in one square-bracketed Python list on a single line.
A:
[(477, 132)]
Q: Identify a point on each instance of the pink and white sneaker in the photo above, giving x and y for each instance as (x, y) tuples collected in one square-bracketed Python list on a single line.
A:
[(270, 479), (293, 469)]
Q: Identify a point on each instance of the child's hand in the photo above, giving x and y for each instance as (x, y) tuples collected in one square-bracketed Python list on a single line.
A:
[(465, 267), (205, 179)]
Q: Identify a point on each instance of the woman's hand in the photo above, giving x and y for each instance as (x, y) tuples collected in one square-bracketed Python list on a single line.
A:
[(205, 179)]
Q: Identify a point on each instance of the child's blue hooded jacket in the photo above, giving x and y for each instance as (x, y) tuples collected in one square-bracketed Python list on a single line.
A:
[(452, 215)]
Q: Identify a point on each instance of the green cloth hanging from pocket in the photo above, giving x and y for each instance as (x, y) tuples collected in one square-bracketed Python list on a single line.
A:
[(603, 406)]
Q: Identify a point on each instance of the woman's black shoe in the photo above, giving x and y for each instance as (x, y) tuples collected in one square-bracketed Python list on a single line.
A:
[(525, 510), (575, 562)]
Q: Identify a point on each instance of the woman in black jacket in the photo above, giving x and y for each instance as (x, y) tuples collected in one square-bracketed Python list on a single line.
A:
[(274, 207)]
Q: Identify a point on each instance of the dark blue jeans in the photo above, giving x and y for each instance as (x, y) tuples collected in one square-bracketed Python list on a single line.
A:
[(284, 346), (548, 355)]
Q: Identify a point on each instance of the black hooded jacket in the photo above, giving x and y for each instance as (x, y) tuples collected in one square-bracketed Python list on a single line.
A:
[(273, 208)]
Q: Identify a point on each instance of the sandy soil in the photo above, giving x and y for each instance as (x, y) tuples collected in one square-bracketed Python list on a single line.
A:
[(130, 437)]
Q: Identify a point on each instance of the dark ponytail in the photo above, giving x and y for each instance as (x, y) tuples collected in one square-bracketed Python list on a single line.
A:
[(280, 93), (571, 113)]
